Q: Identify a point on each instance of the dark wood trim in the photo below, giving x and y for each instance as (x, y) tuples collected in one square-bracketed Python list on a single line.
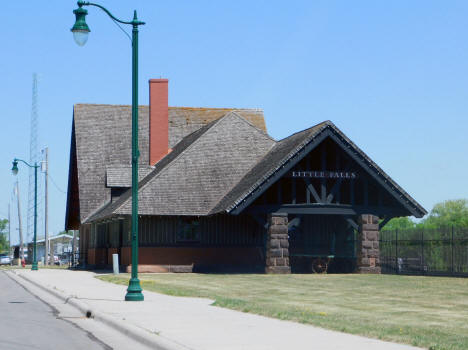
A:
[(335, 189), (280, 192), (287, 166), (323, 182), (294, 222), (366, 192), (351, 152), (293, 191), (325, 209), (376, 176), (311, 189), (352, 223), (308, 191), (385, 221), (260, 220), (337, 166)]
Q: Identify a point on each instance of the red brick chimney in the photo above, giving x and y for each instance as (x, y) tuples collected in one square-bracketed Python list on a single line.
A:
[(158, 120)]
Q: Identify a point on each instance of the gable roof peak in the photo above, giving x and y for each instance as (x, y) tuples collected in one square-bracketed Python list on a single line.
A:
[(248, 122), (274, 164)]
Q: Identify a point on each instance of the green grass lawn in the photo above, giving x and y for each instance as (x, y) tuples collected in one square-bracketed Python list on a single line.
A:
[(430, 312)]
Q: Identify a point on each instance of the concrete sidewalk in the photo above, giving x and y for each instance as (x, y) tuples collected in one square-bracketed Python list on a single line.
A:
[(166, 322)]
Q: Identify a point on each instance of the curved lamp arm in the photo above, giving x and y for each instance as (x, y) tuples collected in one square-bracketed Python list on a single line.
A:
[(29, 165), (134, 22)]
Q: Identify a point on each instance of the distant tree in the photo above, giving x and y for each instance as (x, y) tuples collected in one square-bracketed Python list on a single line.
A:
[(3, 235), (399, 223), (451, 212), (70, 233)]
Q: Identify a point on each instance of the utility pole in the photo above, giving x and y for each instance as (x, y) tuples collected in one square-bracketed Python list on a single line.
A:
[(73, 248), (9, 231), (46, 203), (19, 222), (35, 213)]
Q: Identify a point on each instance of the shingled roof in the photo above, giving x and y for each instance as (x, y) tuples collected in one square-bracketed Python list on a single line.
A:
[(220, 162), (199, 171), (101, 141), (121, 175), (271, 162), (222, 166), (277, 159)]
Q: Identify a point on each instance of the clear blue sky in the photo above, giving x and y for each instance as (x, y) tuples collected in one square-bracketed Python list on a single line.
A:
[(392, 75)]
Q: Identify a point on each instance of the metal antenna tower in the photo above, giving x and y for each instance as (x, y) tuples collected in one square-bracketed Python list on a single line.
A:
[(34, 156)]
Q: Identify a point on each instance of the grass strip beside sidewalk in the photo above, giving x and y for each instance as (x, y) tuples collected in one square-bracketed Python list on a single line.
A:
[(430, 312)]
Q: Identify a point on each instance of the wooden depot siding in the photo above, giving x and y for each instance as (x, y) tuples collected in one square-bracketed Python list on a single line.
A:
[(201, 258), (216, 230), (217, 240)]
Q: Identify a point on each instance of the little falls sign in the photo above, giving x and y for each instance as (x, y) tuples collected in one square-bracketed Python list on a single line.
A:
[(324, 174)]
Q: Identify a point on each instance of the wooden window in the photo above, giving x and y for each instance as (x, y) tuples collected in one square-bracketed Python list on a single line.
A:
[(188, 230)]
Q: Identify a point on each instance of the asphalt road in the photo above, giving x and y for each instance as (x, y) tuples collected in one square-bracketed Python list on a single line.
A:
[(26, 322)]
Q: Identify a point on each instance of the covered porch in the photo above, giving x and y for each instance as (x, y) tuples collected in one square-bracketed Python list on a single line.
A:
[(322, 210)]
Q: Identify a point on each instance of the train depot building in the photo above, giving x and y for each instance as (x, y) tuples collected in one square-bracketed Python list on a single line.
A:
[(217, 193)]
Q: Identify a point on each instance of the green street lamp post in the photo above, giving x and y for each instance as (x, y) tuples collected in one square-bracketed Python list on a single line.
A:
[(80, 33), (14, 170)]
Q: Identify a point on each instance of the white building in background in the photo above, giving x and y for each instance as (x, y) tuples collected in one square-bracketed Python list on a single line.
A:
[(60, 244)]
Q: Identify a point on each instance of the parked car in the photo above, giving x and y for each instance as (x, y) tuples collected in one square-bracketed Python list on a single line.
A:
[(56, 259), (64, 259), (5, 259)]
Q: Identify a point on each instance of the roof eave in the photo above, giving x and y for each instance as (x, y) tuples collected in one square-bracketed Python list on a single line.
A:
[(331, 130)]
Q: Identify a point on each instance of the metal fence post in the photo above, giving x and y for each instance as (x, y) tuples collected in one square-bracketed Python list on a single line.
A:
[(396, 251), (452, 250), (422, 250)]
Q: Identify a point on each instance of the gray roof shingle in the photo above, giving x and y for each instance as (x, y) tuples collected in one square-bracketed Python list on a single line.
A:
[(199, 171), (103, 141), (121, 175)]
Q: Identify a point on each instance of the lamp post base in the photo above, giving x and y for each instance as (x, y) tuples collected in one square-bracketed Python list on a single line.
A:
[(134, 291), (34, 266)]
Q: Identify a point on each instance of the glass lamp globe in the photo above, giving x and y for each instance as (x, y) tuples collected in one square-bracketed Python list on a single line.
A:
[(14, 169), (80, 29), (80, 36)]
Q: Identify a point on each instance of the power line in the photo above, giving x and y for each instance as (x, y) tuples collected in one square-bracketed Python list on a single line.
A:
[(55, 184)]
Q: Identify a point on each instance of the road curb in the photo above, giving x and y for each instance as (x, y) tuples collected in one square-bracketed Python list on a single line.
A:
[(138, 334)]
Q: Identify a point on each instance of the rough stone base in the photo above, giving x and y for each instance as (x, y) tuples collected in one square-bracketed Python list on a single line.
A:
[(277, 245), (365, 270), (278, 269), (368, 252)]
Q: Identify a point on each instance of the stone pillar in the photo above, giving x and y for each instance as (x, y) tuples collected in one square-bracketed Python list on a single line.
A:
[(277, 244), (368, 253)]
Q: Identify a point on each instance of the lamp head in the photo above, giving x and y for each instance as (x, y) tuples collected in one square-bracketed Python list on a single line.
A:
[(80, 29), (14, 169)]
